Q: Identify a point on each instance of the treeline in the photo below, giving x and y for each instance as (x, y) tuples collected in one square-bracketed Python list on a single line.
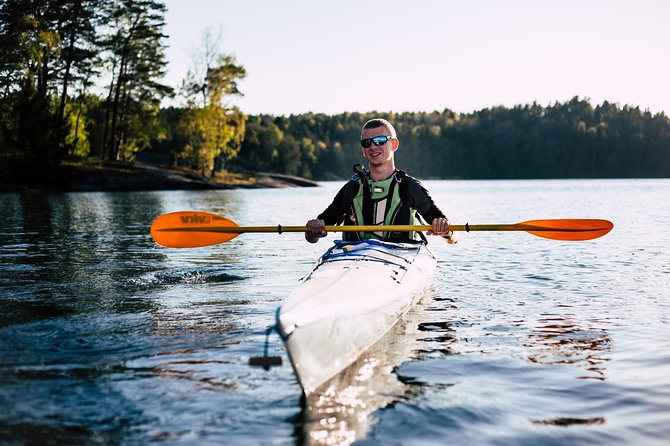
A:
[(568, 140), (563, 140), (82, 79)]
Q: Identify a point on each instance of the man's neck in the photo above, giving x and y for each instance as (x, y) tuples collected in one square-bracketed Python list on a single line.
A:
[(379, 173)]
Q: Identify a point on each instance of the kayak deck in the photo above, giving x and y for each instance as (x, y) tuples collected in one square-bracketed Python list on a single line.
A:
[(353, 296)]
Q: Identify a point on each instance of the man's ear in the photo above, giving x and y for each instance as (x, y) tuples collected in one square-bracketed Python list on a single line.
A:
[(396, 143)]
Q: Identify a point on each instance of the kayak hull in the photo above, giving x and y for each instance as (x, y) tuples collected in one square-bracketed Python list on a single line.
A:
[(355, 294)]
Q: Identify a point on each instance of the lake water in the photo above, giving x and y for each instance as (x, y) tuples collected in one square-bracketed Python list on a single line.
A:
[(106, 338)]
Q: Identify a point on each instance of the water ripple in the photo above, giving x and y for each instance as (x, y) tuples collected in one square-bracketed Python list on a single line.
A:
[(106, 338)]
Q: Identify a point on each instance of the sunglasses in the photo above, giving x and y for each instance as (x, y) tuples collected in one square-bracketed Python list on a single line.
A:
[(378, 140)]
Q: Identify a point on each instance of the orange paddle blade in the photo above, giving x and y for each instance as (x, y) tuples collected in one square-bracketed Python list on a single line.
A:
[(568, 229), (190, 229)]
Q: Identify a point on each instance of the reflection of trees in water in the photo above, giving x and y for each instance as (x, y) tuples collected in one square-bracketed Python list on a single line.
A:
[(561, 339), (70, 251)]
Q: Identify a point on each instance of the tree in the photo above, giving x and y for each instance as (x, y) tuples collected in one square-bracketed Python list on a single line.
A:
[(45, 47), (214, 127), (136, 56)]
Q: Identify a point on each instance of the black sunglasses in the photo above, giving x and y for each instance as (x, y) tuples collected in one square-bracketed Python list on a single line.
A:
[(378, 140)]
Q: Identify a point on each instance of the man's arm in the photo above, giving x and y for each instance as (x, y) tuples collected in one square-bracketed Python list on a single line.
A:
[(332, 215), (419, 198)]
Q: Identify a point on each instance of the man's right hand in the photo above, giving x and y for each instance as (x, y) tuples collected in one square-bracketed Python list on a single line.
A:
[(316, 229)]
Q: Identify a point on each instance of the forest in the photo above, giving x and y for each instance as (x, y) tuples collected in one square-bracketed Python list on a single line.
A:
[(82, 80), (565, 140)]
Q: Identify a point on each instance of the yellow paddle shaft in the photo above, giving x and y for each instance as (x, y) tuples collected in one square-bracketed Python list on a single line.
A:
[(374, 228)]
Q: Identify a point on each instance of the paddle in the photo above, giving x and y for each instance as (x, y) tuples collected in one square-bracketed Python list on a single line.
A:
[(191, 229)]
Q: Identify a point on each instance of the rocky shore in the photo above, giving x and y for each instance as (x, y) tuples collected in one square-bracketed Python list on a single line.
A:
[(111, 176)]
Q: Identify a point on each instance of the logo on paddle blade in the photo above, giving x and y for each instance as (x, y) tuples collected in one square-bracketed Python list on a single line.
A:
[(195, 219)]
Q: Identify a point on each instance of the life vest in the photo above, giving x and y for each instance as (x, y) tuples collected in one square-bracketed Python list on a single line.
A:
[(380, 203)]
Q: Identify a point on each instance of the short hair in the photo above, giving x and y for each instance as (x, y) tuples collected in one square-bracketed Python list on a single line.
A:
[(379, 122)]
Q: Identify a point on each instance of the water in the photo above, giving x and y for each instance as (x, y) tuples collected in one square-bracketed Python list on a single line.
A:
[(106, 338)]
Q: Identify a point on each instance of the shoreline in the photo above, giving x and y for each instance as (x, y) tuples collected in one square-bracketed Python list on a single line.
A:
[(123, 177)]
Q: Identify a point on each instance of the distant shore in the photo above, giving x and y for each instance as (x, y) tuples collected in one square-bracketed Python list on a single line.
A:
[(116, 176)]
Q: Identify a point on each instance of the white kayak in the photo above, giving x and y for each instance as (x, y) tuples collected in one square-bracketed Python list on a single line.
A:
[(353, 296)]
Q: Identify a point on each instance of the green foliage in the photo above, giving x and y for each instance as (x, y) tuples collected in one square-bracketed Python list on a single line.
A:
[(52, 48), (77, 137), (135, 53), (570, 140), (45, 47), (213, 128)]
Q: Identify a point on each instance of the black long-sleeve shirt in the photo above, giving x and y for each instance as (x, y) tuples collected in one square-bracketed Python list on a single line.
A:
[(415, 196)]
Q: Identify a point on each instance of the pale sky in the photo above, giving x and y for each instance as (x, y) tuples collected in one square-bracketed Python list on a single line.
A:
[(413, 55)]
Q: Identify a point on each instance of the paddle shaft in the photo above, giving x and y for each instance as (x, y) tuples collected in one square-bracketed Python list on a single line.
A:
[(373, 228)]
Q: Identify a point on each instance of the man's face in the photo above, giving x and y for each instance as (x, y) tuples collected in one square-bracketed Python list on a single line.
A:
[(378, 155)]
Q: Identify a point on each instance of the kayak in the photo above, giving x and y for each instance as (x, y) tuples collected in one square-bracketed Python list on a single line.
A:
[(354, 295)]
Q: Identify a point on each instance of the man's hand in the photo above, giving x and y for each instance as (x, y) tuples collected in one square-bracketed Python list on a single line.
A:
[(315, 230), (441, 227)]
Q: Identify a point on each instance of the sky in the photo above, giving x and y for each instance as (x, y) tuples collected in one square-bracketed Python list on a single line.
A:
[(423, 55)]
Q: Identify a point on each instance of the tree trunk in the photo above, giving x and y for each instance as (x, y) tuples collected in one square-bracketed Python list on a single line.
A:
[(108, 102), (60, 118), (121, 82), (115, 111)]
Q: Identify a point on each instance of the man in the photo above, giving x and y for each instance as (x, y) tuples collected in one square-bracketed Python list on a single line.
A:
[(380, 195)]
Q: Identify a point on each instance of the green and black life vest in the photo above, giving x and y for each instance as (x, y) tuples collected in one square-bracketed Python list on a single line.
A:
[(380, 203)]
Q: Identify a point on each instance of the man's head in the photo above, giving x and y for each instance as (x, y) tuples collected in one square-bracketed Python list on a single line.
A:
[(379, 122), (378, 143)]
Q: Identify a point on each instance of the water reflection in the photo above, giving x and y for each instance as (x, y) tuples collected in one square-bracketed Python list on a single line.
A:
[(562, 339), (199, 367), (343, 411), (89, 301), (569, 421), (67, 253)]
